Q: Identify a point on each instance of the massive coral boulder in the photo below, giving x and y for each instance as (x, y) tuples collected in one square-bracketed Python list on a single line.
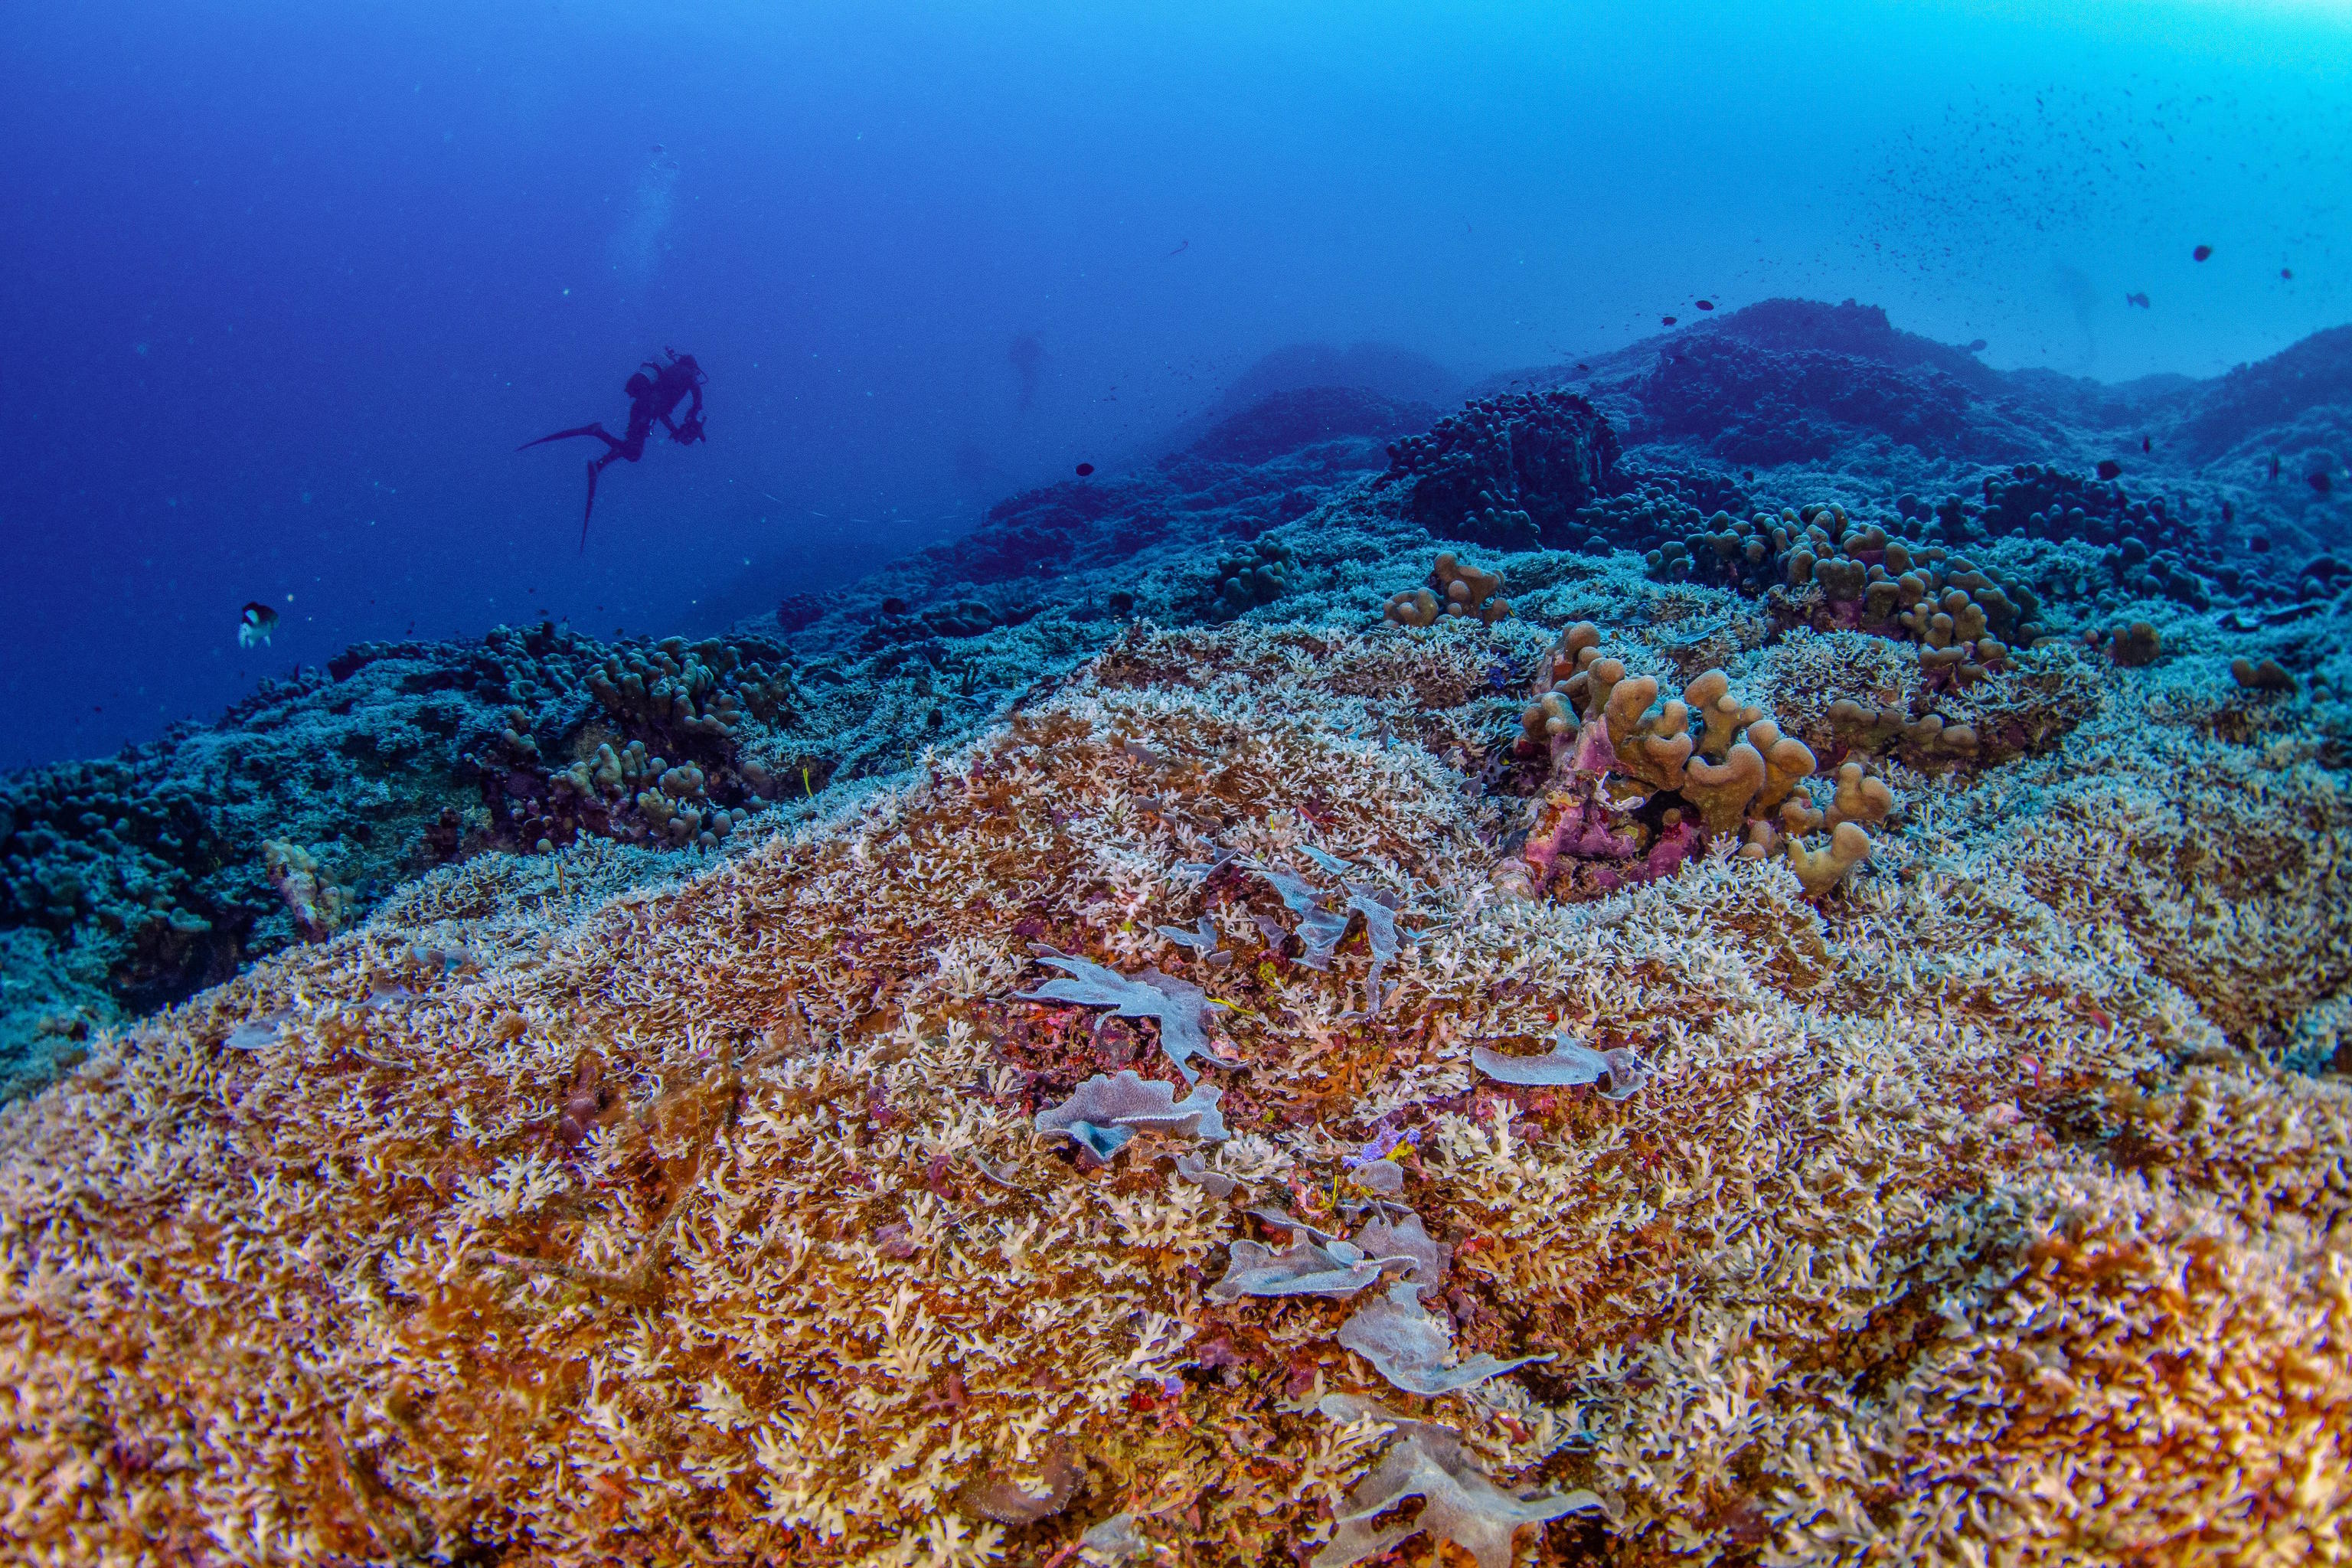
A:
[(1287, 422), (1797, 380), (2251, 407), (1508, 470)]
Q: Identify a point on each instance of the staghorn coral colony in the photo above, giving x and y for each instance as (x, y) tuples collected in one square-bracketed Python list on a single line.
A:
[(1833, 1053)]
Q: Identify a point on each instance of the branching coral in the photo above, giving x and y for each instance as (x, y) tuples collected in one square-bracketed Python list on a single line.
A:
[(709, 1221)]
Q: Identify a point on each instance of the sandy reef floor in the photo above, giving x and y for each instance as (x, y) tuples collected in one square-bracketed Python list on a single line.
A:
[(1973, 1214)]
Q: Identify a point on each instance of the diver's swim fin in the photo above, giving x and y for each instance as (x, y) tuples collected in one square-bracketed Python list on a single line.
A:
[(593, 470), (596, 430)]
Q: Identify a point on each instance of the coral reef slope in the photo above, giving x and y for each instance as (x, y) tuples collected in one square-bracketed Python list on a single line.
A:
[(2087, 510), (1970, 1212)]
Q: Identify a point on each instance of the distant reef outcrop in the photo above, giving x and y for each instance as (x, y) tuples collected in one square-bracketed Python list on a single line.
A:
[(1796, 382)]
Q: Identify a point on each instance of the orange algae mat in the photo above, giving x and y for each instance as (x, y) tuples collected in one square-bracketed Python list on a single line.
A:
[(1963, 1215)]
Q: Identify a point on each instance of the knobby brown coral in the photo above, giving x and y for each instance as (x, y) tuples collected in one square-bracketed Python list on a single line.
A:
[(1828, 570), (1455, 588), (1634, 792), (319, 907), (1959, 1218)]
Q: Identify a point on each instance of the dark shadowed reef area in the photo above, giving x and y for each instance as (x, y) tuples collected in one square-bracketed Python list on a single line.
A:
[(127, 883)]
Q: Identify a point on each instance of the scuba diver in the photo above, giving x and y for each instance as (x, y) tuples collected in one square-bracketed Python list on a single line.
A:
[(652, 397)]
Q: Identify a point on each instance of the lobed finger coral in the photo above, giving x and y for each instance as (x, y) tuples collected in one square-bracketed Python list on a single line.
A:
[(1632, 794), (1454, 589), (1258, 574), (1831, 570), (701, 693), (2139, 547), (319, 908)]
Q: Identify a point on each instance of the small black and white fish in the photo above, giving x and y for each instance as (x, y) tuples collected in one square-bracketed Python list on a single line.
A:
[(2140, 300), (2200, 253), (255, 624)]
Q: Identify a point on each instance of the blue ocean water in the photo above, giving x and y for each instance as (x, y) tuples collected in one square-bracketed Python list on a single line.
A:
[(290, 284)]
